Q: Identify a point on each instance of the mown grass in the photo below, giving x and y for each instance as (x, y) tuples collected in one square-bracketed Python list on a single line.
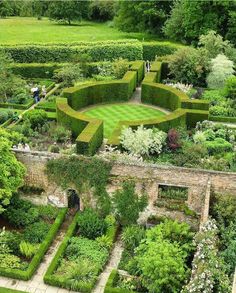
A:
[(112, 114), (22, 30)]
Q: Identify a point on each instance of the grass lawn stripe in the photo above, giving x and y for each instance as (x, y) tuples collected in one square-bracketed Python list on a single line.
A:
[(112, 114)]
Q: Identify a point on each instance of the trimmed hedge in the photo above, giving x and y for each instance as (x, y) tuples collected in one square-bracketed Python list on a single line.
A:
[(53, 53), (150, 77), (17, 106), (158, 48), (35, 70), (88, 131), (139, 67), (222, 119), (109, 288), (49, 277), (37, 258)]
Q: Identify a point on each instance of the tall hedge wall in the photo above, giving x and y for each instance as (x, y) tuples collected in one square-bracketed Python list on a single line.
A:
[(97, 52), (158, 48), (139, 67), (88, 131)]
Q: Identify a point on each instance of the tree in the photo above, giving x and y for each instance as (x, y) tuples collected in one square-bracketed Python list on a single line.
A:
[(12, 171), (67, 11), (221, 69), (127, 204), (5, 9), (101, 10), (187, 20), (146, 16)]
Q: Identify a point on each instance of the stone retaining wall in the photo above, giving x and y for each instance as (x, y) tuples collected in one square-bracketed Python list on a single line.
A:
[(148, 177)]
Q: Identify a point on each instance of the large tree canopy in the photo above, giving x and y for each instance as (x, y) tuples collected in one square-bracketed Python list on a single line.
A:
[(146, 16), (68, 11), (188, 20), (12, 171)]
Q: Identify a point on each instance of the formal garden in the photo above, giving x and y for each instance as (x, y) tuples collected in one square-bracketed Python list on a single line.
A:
[(89, 87)]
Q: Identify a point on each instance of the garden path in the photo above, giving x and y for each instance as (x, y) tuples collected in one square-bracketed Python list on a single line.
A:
[(112, 264), (36, 284)]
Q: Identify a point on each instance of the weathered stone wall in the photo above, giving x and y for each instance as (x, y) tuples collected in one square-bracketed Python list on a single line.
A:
[(147, 177)]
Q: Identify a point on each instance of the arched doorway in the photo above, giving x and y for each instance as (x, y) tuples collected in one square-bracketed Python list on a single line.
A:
[(73, 199)]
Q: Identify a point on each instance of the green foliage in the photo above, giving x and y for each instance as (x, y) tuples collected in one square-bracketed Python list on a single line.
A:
[(36, 118), (119, 67), (66, 11), (36, 232), (48, 212), (9, 261), (218, 146), (189, 65), (61, 135), (230, 88), (68, 74), (91, 225), (98, 51), (127, 204), (83, 248), (102, 11), (12, 171), (132, 236), (27, 249), (187, 20), (221, 69)]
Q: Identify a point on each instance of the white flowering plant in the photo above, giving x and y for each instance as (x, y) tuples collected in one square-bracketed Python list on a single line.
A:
[(186, 88), (142, 141)]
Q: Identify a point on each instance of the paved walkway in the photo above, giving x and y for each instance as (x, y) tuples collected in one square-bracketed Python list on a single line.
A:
[(36, 284), (112, 264)]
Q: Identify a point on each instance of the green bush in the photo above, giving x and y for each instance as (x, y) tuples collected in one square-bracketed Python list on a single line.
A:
[(37, 118), (48, 212), (218, 146), (230, 88), (36, 232), (27, 249), (91, 225)]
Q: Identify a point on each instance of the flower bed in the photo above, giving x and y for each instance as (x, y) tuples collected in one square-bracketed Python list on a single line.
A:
[(80, 258), (29, 233)]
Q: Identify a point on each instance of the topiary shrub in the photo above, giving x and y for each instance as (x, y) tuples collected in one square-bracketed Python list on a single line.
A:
[(37, 118)]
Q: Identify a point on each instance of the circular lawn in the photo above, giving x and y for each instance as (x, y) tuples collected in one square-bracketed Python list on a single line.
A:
[(113, 113)]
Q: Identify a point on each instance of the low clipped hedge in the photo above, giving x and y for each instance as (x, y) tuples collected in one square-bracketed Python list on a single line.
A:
[(88, 131), (37, 258), (49, 277), (158, 48), (110, 285), (17, 106), (96, 50), (222, 119)]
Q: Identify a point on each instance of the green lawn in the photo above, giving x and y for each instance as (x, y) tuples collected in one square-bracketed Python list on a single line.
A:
[(21, 30), (112, 114)]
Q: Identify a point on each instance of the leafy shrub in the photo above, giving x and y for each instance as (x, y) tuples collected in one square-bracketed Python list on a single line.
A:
[(54, 149), (61, 135), (217, 146), (69, 74), (27, 249), (77, 274), (36, 232), (91, 225), (199, 137), (104, 241), (9, 261), (120, 67), (173, 139), (221, 69), (37, 118), (83, 248), (48, 212), (230, 88), (127, 204), (143, 141), (132, 236)]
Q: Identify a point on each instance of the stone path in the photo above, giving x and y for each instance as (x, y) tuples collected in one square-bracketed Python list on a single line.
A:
[(36, 284), (112, 264)]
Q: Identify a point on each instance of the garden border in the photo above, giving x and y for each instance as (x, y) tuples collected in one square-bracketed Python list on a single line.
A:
[(37, 258)]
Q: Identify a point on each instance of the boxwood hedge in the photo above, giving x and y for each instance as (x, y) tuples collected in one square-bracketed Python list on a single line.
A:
[(7, 290)]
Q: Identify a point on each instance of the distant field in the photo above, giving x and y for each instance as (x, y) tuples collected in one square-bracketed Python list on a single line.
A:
[(21, 30), (112, 114)]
